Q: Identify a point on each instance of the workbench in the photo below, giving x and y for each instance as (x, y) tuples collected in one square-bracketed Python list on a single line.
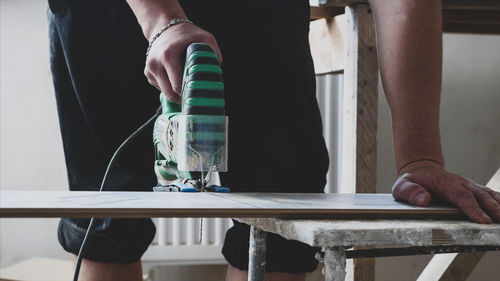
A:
[(334, 222), (338, 237)]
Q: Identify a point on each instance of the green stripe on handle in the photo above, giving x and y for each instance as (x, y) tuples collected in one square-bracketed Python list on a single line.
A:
[(198, 54), (204, 68), (205, 102), (206, 85)]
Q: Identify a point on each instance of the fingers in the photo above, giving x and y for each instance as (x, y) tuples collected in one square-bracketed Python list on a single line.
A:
[(173, 62), (468, 204), (479, 203), (213, 43), (485, 198), (493, 193), (174, 56), (464, 199), (164, 70), (152, 81), (157, 76), (406, 190), (166, 87), (209, 39)]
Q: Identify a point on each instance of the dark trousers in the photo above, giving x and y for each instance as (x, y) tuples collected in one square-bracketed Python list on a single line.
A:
[(275, 135)]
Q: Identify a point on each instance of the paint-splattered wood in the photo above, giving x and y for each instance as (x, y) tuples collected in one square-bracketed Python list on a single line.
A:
[(257, 205), (488, 5), (348, 233)]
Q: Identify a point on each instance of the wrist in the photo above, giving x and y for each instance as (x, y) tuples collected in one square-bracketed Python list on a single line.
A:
[(163, 29), (413, 144), (152, 15), (414, 164), (154, 26)]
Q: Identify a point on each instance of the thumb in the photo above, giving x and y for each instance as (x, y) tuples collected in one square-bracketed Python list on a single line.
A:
[(413, 193)]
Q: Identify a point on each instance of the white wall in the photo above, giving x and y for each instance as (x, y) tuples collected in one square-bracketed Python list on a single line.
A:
[(31, 152), (30, 143)]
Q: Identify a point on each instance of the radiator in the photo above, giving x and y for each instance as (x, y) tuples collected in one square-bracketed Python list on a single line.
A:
[(178, 241), (329, 89)]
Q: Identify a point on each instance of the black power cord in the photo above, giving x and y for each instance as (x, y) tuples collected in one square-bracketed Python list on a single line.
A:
[(111, 164)]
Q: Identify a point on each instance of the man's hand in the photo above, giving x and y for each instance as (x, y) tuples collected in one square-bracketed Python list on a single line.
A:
[(420, 181), (165, 63)]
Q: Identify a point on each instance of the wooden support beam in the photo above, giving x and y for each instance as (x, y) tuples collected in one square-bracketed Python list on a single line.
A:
[(414, 251), (336, 3), (451, 267), (456, 267), (472, 28), (471, 17), (359, 104), (335, 264), (381, 233), (325, 12), (484, 5), (358, 169), (494, 182), (326, 38)]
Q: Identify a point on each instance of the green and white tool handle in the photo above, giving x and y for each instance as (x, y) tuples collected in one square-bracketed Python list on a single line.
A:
[(199, 121)]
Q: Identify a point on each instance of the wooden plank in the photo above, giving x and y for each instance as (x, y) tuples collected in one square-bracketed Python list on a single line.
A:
[(335, 3), (492, 5), (485, 13), (350, 233), (417, 250), (457, 267), (359, 104), (494, 182), (159, 204), (356, 203), (325, 12), (358, 168), (335, 264), (326, 38), (471, 17), (364, 269), (471, 28), (442, 265)]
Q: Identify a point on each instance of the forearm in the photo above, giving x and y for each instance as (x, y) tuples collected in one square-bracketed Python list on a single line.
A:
[(155, 14), (409, 40)]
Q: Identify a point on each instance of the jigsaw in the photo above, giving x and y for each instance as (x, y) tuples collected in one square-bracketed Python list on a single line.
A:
[(190, 138)]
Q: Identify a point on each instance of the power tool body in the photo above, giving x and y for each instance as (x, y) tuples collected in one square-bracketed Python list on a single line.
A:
[(190, 138)]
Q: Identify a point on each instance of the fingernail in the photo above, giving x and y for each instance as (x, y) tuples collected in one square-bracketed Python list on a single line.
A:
[(486, 218), (421, 199)]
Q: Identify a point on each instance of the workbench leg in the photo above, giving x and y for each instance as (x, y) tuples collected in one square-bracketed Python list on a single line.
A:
[(335, 264), (359, 103), (359, 116), (257, 254)]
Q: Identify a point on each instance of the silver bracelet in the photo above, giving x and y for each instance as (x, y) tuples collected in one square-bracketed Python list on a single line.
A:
[(172, 22)]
